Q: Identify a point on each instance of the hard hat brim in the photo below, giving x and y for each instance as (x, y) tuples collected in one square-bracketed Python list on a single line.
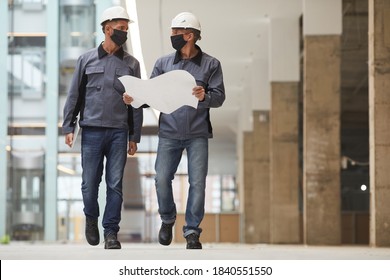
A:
[(128, 20)]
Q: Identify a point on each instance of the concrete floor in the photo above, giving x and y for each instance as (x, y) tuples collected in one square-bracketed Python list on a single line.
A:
[(177, 251), (64, 261)]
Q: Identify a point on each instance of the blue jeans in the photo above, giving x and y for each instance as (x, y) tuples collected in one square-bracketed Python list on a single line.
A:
[(168, 158), (97, 143)]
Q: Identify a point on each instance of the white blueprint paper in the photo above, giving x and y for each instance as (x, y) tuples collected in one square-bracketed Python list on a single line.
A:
[(165, 93)]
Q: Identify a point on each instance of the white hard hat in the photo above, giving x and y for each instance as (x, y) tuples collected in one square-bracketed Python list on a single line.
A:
[(116, 12), (186, 20)]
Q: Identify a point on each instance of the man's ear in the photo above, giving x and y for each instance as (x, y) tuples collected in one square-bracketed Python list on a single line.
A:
[(105, 28), (192, 36)]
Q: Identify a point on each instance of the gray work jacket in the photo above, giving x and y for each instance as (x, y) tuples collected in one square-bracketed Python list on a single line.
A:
[(188, 122), (96, 93)]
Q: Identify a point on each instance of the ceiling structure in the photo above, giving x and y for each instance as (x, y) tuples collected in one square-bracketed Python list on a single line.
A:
[(237, 33)]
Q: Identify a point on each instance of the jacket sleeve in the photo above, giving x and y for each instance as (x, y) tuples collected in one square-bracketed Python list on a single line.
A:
[(135, 116), (75, 98), (156, 69), (138, 117), (215, 91)]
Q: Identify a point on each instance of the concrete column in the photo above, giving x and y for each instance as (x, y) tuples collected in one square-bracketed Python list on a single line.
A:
[(321, 163), (285, 219), (261, 175), (3, 117), (246, 145), (256, 147), (256, 179), (248, 159), (379, 108), (51, 157), (284, 77)]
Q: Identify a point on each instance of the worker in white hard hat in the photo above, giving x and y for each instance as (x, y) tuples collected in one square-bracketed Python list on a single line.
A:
[(110, 128), (186, 129)]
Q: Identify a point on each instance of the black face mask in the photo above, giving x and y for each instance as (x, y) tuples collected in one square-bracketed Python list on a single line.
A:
[(119, 37), (178, 42)]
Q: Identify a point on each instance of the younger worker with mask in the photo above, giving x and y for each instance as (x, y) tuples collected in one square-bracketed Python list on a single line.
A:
[(110, 128), (187, 129)]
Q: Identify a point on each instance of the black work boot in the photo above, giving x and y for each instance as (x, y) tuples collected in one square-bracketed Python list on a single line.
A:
[(92, 231), (165, 234), (193, 241), (111, 241)]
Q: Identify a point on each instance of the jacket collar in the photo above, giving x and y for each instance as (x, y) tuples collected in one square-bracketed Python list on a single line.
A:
[(196, 59), (119, 53)]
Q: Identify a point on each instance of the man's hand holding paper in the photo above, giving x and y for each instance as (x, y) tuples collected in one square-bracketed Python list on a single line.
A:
[(127, 98), (165, 93)]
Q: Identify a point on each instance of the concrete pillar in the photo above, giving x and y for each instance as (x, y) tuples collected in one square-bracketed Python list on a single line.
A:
[(256, 153), (52, 88), (321, 163), (3, 117), (379, 110), (256, 174), (285, 218), (248, 160), (284, 176)]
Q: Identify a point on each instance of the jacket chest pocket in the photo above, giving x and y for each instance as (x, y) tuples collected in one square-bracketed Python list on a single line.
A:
[(95, 77), (119, 72)]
